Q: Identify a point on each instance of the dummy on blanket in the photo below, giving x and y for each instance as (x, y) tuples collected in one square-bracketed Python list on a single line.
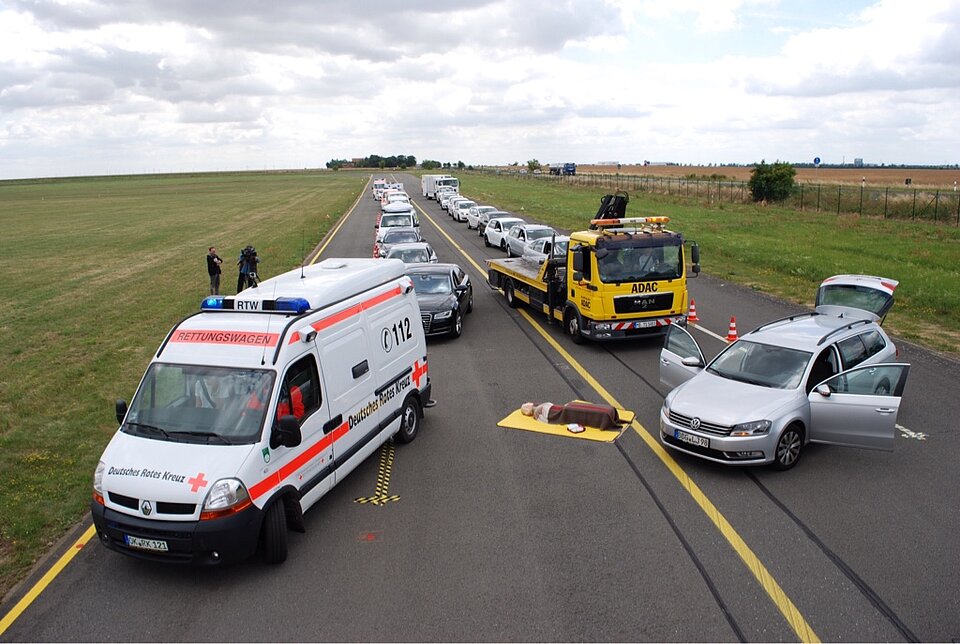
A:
[(576, 412)]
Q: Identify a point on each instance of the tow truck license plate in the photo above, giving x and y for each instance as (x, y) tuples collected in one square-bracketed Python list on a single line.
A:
[(145, 544), (700, 441)]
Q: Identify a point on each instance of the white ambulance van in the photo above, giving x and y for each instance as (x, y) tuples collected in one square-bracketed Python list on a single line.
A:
[(256, 406)]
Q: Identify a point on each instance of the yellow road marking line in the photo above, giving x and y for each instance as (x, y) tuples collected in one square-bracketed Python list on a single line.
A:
[(48, 577), (789, 611)]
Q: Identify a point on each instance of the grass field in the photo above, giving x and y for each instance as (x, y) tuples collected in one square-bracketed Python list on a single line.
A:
[(97, 272), (99, 269)]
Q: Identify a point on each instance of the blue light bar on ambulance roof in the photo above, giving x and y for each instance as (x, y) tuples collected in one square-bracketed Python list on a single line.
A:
[(281, 304)]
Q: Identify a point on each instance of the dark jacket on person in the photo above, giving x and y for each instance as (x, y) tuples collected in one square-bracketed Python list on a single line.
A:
[(213, 263)]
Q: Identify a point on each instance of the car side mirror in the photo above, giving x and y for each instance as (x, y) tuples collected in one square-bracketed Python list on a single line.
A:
[(823, 390), (375, 226), (691, 361), (121, 410), (286, 433), (461, 289)]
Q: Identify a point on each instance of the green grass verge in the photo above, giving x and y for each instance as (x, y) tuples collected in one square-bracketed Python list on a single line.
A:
[(97, 270), (776, 250)]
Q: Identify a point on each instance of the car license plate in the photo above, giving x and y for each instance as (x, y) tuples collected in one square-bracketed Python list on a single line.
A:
[(684, 437), (155, 545)]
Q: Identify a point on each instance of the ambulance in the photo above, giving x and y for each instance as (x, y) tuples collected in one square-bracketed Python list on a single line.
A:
[(256, 406)]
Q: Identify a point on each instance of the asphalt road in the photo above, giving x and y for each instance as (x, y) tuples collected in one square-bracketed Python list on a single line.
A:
[(501, 534)]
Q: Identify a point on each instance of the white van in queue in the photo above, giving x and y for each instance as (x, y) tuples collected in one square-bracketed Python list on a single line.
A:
[(256, 406)]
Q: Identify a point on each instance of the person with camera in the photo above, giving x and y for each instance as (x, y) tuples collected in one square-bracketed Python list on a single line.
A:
[(213, 268), (247, 263)]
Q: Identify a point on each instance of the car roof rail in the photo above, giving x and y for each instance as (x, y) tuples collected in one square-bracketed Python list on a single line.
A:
[(843, 328), (787, 319)]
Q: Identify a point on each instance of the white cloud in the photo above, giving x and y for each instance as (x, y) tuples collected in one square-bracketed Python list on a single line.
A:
[(177, 84)]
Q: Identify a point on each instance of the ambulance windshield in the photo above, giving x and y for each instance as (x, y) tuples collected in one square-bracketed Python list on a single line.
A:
[(200, 404)]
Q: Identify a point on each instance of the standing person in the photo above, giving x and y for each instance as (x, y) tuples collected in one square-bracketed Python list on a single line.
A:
[(247, 263), (213, 268)]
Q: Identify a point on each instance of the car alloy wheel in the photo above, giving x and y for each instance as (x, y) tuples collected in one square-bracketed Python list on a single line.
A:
[(789, 446)]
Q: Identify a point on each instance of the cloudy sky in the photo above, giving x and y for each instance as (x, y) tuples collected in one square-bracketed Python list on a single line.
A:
[(101, 87)]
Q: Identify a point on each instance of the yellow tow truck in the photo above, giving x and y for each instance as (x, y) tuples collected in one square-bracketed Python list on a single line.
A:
[(623, 277)]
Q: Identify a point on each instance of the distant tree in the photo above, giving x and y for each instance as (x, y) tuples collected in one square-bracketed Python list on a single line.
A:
[(335, 164), (532, 165), (461, 165), (446, 164), (773, 182), (410, 161), (427, 164)]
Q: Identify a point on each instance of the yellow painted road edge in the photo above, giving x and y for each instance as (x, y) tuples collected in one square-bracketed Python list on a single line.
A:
[(39, 587), (789, 611)]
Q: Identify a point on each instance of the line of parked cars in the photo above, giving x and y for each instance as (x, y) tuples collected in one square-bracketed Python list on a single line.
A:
[(444, 291), (502, 229)]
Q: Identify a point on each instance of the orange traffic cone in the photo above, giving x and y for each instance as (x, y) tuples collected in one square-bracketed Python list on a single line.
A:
[(732, 333), (692, 316)]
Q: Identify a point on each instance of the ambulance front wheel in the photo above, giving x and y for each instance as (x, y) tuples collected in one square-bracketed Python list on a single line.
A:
[(409, 420), (274, 534)]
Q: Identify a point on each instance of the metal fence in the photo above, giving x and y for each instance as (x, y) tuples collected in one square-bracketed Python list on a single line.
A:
[(924, 204)]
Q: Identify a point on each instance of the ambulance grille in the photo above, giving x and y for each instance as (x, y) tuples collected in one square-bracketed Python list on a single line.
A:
[(125, 501), (163, 507)]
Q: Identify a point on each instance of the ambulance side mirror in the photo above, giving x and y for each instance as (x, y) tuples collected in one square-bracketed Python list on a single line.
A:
[(286, 433), (121, 410)]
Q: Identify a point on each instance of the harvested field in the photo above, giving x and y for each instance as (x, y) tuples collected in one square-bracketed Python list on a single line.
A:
[(922, 177)]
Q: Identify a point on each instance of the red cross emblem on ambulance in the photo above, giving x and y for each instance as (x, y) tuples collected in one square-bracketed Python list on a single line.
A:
[(419, 371)]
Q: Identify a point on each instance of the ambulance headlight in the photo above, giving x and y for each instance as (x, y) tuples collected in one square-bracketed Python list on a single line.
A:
[(226, 497), (98, 477), (98, 482)]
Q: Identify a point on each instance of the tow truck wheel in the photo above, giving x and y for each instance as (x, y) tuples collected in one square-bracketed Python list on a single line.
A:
[(509, 295), (789, 446), (409, 421), (274, 534), (572, 324)]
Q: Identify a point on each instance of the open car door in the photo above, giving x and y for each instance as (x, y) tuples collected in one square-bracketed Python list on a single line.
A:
[(858, 408), (681, 358)]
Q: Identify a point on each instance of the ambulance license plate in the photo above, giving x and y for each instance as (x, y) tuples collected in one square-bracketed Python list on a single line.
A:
[(684, 437), (155, 545)]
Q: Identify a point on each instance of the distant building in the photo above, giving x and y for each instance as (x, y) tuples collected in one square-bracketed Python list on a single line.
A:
[(858, 163)]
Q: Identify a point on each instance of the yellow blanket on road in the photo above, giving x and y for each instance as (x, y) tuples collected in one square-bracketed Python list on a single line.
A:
[(517, 420)]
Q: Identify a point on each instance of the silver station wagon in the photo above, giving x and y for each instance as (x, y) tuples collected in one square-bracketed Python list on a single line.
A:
[(827, 376)]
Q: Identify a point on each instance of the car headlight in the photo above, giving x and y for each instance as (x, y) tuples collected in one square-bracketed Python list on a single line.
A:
[(753, 428), (442, 315), (226, 497)]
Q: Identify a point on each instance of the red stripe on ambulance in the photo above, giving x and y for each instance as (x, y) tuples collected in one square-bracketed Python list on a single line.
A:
[(304, 457)]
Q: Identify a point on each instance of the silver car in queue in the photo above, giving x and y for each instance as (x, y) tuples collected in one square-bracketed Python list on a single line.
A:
[(827, 376)]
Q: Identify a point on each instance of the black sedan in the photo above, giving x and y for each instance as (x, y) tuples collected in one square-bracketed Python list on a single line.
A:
[(445, 295)]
